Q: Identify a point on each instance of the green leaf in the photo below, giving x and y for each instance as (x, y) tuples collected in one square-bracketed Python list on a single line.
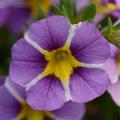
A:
[(88, 14), (40, 15), (112, 33), (68, 9), (56, 10), (110, 24)]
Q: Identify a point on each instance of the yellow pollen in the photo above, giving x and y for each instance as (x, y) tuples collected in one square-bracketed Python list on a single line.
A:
[(61, 64), (28, 113), (112, 6), (35, 5), (101, 8)]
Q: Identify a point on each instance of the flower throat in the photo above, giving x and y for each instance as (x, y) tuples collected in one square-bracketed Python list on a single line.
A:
[(61, 64)]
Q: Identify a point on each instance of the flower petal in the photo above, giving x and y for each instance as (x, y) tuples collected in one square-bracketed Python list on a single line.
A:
[(17, 17), (111, 66), (20, 91), (114, 90), (9, 106), (55, 1), (118, 3), (86, 84), (27, 63), (47, 94), (81, 4), (70, 111), (2, 80), (89, 46), (112, 69), (49, 33), (4, 14)]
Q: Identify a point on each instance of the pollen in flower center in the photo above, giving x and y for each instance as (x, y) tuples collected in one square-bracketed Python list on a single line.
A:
[(60, 55), (34, 5), (112, 6), (102, 8), (28, 113), (61, 64)]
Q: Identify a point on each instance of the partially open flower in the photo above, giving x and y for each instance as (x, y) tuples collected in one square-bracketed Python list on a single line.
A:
[(14, 106), (112, 66), (58, 62), (13, 15), (105, 7), (35, 5)]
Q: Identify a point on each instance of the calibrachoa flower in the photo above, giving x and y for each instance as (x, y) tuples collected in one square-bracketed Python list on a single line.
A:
[(58, 62), (70, 111), (18, 12), (13, 106), (35, 5), (113, 6), (105, 7), (112, 66), (12, 14)]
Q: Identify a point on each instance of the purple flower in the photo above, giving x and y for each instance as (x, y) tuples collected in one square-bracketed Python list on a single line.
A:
[(11, 3), (13, 106), (13, 15), (105, 7), (114, 6), (70, 111), (112, 66), (57, 62)]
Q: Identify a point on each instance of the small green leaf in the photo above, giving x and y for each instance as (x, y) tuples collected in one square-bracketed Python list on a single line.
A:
[(41, 14), (110, 24), (112, 33), (56, 10), (68, 9), (88, 14)]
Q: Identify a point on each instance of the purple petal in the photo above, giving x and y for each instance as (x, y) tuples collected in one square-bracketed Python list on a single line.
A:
[(2, 80), (18, 18), (27, 63), (4, 14), (99, 17), (20, 90), (81, 4), (48, 94), (114, 50), (86, 84), (50, 33), (114, 90), (116, 13), (112, 69), (55, 1), (111, 66), (9, 106), (70, 111), (11, 3), (89, 46), (117, 3)]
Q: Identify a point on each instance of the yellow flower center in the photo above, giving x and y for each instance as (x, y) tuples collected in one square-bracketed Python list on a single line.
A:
[(118, 63), (35, 5), (28, 113), (61, 64), (112, 6), (101, 8)]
